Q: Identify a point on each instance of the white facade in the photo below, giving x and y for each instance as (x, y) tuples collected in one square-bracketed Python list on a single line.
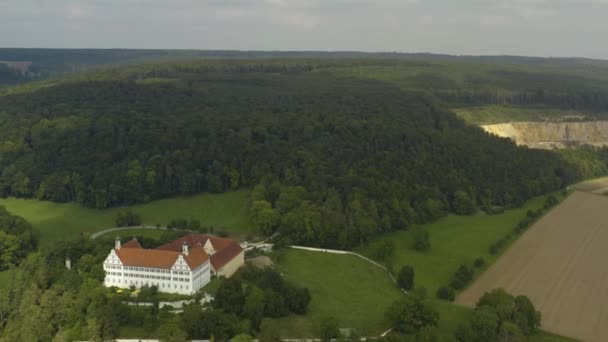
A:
[(177, 279)]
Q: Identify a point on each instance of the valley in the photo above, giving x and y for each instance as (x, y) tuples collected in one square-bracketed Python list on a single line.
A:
[(558, 264), (373, 154)]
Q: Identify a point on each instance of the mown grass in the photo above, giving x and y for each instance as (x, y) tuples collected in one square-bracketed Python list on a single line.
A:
[(59, 221), (357, 294), (138, 232), (345, 287), (455, 240), (486, 115)]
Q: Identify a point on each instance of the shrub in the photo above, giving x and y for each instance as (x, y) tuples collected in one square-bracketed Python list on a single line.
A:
[(550, 202), (462, 277), (127, 218), (405, 278), (421, 239), (194, 225), (446, 293), (479, 262)]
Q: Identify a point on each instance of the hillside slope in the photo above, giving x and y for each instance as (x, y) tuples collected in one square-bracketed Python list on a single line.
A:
[(333, 159)]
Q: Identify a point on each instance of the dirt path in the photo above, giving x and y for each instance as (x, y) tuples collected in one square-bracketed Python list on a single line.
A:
[(117, 229), (560, 264)]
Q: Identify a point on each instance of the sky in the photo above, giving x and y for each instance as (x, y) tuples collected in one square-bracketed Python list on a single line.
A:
[(557, 28)]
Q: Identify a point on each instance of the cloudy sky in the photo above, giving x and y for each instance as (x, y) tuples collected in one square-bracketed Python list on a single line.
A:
[(515, 27)]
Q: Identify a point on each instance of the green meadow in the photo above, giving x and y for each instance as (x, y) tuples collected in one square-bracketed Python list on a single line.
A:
[(357, 294), (455, 240), (493, 114), (127, 234), (345, 287), (59, 221)]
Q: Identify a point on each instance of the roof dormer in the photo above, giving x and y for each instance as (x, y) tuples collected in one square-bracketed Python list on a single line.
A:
[(209, 247)]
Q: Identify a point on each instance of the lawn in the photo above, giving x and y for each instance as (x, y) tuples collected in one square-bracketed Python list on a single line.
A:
[(57, 221), (126, 234), (357, 294), (342, 286), (494, 114), (455, 240)]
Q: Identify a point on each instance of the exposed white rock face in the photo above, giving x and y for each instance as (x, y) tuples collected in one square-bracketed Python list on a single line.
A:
[(552, 135)]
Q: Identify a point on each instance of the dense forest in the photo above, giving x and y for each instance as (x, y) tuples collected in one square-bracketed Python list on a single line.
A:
[(17, 239), (332, 159)]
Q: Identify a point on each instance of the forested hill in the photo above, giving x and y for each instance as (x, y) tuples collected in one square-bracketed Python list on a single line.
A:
[(331, 159)]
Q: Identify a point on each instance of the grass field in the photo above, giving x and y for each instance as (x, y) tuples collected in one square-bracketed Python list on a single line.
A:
[(455, 240), (56, 221), (559, 264), (342, 286), (486, 115), (126, 234), (357, 295)]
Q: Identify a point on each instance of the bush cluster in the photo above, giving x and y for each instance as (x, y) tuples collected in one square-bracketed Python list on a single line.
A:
[(127, 219), (461, 278), (500, 316), (254, 294)]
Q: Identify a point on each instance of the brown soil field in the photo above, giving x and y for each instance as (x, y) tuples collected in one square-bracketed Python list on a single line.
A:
[(560, 263)]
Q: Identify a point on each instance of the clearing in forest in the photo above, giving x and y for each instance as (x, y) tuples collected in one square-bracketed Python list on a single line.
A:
[(559, 264), (61, 221)]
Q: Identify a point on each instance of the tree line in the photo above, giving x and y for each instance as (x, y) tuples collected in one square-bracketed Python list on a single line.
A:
[(331, 160), (17, 239)]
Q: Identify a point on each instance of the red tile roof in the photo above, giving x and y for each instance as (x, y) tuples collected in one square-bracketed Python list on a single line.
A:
[(225, 255), (132, 254), (147, 257), (196, 257), (132, 244), (225, 249)]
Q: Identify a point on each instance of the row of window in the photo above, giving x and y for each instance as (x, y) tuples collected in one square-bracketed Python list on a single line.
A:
[(200, 274), (146, 283), (146, 276), (147, 269)]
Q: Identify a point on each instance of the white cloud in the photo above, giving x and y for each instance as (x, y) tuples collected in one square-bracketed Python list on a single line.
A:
[(300, 21), (539, 27), (77, 11)]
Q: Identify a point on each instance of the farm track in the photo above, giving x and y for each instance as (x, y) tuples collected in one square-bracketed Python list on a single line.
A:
[(560, 264)]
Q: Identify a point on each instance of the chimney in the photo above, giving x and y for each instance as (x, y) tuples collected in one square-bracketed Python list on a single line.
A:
[(185, 248), (68, 263), (117, 243)]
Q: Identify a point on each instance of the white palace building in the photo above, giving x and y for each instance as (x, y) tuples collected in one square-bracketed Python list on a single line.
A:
[(182, 266)]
